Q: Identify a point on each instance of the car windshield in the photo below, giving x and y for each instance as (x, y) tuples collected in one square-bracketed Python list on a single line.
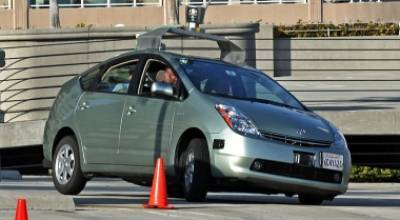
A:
[(235, 82)]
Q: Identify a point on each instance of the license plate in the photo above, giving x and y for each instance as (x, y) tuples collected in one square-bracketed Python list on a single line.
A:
[(332, 161)]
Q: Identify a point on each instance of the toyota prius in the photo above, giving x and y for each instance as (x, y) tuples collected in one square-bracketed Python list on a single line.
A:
[(219, 125)]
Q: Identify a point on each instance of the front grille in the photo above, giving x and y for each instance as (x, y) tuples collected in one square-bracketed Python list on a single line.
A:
[(296, 171), (294, 141)]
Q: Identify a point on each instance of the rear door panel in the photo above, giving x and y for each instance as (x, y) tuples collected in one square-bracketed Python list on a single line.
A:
[(98, 119), (99, 112)]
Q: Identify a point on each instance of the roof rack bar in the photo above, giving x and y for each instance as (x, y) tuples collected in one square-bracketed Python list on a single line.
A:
[(230, 52)]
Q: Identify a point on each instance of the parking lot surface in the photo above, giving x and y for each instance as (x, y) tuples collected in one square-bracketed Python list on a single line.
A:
[(114, 198)]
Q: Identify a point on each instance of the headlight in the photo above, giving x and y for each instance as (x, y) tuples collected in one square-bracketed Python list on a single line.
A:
[(237, 120)]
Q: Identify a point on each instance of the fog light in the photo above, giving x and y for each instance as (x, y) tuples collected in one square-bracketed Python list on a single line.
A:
[(337, 177), (257, 165)]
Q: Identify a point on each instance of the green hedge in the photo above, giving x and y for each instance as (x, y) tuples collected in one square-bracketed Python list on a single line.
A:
[(301, 29), (373, 174)]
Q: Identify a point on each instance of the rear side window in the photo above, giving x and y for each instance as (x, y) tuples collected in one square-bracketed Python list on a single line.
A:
[(117, 78), (90, 78)]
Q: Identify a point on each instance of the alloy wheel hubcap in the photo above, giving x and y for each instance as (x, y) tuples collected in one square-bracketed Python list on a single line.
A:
[(189, 170), (65, 164)]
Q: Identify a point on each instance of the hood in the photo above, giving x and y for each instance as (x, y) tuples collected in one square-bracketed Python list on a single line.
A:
[(282, 120)]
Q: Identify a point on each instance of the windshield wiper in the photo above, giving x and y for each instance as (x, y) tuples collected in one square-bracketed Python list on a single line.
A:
[(266, 102), (254, 100)]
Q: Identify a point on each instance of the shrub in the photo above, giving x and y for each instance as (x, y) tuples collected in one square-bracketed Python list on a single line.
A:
[(83, 25), (301, 29), (373, 174)]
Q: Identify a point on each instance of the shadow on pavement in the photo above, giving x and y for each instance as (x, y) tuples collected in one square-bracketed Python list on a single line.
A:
[(26, 188), (215, 199), (364, 202)]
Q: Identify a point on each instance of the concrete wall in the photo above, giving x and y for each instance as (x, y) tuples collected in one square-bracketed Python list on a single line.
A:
[(99, 17), (313, 11), (270, 13), (367, 11), (354, 82), (6, 19)]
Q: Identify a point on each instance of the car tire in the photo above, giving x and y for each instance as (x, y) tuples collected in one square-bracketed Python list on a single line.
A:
[(195, 170), (175, 191), (306, 199), (67, 174)]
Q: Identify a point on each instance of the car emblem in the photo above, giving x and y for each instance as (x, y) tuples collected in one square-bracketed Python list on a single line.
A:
[(301, 132)]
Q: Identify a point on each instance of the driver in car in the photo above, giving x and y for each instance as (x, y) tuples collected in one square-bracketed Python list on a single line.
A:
[(167, 76)]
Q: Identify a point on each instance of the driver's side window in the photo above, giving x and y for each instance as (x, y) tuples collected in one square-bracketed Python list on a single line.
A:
[(151, 69), (117, 78)]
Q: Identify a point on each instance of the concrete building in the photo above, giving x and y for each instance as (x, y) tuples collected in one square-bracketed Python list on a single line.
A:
[(33, 14)]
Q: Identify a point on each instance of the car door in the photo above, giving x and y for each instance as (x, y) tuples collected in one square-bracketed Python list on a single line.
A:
[(147, 121), (99, 112)]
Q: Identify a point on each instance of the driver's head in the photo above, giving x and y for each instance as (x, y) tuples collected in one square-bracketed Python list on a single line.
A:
[(166, 76)]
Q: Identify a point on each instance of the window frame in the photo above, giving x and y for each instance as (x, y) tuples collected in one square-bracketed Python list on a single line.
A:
[(146, 63), (110, 68), (105, 66), (145, 67), (98, 68)]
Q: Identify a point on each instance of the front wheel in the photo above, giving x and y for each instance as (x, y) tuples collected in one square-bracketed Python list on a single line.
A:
[(196, 170), (67, 175)]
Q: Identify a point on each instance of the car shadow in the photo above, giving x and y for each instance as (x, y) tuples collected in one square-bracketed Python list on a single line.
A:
[(364, 202), (93, 201), (27, 188), (214, 200), (121, 201)]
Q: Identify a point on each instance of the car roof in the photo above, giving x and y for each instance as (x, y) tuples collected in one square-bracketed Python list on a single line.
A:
[(229, 51), (169, 54)]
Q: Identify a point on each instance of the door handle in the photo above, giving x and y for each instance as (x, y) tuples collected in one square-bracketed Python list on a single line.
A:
[(131, 110)]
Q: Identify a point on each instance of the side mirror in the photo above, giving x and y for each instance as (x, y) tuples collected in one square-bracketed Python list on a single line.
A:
[(2, 58), (160, 88)]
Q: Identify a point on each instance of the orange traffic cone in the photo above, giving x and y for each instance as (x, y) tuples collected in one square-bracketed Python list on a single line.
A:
[(21, 213), (158, 195)]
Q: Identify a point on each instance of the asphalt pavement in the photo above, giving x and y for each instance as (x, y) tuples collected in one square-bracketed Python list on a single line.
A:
[(117, 199)]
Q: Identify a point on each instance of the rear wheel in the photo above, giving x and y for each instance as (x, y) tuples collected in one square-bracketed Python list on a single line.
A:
[(195, 170), (310, 199), (67, 175)]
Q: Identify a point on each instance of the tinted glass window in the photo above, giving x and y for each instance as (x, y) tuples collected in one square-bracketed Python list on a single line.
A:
[(151, 69), (89, 79), (117, 78), (235, 82), (156, 70)]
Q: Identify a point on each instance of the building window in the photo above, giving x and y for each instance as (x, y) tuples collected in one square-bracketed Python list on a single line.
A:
[(5, 4), (94, 3)]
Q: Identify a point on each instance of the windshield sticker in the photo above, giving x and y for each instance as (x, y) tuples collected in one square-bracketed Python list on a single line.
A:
[(183, 61), (230, 73)]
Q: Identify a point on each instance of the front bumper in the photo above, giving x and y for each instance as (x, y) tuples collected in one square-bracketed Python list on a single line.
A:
[(236, 158)]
